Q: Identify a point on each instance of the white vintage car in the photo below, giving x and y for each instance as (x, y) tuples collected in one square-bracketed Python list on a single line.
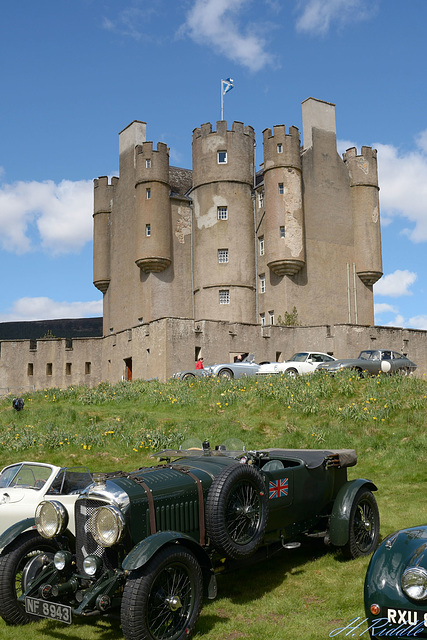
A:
[(300, 363), (24, 484)]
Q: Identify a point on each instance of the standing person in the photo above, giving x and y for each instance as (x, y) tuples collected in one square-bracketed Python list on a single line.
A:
[(199, 363)]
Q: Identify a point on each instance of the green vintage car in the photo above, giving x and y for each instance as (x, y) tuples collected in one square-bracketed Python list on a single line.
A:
[(396, 586), (148, 543)]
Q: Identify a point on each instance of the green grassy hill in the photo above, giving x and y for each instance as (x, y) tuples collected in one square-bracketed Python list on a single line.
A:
[(305, 593)]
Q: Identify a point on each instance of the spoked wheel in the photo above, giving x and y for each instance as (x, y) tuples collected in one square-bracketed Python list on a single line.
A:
[(292, 373), (364, 526), (236, 511), (188, 376), (162, 600), (226, 373), (21, 562)]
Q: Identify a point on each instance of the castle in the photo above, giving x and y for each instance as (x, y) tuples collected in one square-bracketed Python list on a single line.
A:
[(225, 242), (214, 261)]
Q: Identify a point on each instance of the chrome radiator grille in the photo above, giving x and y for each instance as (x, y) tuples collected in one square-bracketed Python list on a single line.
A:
[(85, 543)]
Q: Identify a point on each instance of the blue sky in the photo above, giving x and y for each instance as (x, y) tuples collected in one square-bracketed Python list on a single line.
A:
[(74, 74)]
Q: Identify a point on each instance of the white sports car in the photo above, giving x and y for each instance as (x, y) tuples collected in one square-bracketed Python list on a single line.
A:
[(300, 363), (24, 484)]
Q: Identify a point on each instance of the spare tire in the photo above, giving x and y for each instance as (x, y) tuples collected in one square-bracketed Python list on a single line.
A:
[(236, 511)]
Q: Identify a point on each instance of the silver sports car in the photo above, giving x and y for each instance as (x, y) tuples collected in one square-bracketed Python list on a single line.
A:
[(372, 361)]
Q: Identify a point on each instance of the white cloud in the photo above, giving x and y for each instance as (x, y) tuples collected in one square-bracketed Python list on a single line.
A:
[(383, 307), (418, 322), (46, 309), (317, 16), (61, 214), (215, 23), (395, 284), (403, 187)]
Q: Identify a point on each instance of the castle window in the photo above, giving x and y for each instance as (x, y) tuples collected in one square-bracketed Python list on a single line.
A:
[(280, 148), (222, 213), (281, 188), (87, 367), (222, 256), (148, 230), (148, 194), (148, 164), (271, 316), (262, 319), (261, 246), (282, 232), (49, 369), (222, 157), (262, 284), (260, 199), (30, 369), (224, 296), (68, 368)]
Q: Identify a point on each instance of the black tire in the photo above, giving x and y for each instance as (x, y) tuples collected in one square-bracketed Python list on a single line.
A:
[(12, 564), (162, 600), (292, 373), (236, 511), (364, 526), (188, 376), (226, 373)]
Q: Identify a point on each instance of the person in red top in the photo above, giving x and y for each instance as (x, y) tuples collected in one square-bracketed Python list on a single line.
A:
[(199, 363)]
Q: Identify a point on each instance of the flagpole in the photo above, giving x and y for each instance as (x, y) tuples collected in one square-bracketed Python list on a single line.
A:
[(222, 101)]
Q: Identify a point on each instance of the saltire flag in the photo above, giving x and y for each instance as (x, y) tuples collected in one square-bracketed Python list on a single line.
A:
[(227, 85), (278, 488)]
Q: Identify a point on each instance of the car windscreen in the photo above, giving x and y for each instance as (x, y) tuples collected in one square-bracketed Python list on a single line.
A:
[(299, 357), (27, 476), (71, 480), (7, 475)]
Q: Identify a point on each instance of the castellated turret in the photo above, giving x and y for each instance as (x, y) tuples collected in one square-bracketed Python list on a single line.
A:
[(103, 203), (223, 222), (365, 203), (153, 211), (284, 216)]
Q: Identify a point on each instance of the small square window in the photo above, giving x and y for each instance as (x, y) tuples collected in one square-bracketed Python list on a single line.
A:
[(280, 148), (148, 230), (282, 232), (148, 194), (224, 296), (148, 164), (262, 284), (281, 188), (30, 369), (222, 157), (87, 367), (49, 369), (222, 256), (68, 368), (222, 213), (261, 246)]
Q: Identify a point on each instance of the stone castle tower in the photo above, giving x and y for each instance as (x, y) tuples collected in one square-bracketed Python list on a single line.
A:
[(228, 243)]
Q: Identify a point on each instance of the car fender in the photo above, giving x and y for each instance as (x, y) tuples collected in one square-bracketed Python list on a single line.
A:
[(147, 548), (340, 516), (15, 531)]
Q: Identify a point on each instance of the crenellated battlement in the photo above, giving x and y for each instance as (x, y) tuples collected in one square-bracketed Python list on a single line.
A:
[(362, 168), (206, 130), (281, 149), (104, 194), (152, 165)]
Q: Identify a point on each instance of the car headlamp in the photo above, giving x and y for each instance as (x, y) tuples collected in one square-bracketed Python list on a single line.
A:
[(62, 560), (107, 525), (91, 565), (51, 518), (414, 583)]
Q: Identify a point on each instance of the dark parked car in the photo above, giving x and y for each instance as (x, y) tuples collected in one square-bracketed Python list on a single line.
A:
[(148, 542), (396, 586), (372, 361)]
